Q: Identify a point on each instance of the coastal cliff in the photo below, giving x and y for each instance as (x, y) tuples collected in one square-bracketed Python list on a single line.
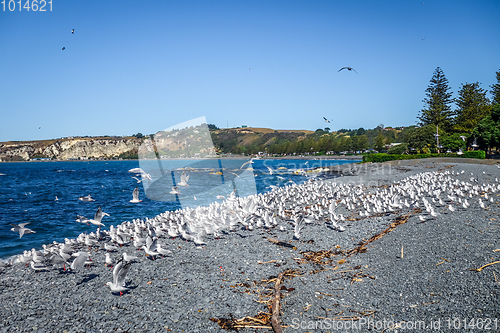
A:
[(70, 148)]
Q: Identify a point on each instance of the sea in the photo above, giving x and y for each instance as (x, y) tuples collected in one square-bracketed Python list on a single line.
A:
[(46, 194)]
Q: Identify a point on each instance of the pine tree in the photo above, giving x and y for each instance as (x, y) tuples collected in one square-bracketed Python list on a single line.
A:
[(438, 100), (473, 105), (495, 90)]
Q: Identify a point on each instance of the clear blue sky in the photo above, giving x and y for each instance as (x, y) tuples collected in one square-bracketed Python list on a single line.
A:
[(143, 66)]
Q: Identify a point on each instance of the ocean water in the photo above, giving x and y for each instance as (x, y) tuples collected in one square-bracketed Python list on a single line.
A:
[(29, 190)]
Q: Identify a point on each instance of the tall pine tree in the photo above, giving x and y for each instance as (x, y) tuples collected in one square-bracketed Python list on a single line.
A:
[(437, 109), (472, 106), (495, 90)]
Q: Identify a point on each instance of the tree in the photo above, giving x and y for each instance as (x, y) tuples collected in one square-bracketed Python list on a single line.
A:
[(360, 131), (487, 132), (423, 137), (212, 127), (379, 142), (454, 141), (495, 90), (362, 142), (473, 105), (327, 129), (437, 109)]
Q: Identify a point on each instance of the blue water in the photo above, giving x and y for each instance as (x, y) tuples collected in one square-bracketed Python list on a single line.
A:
[(29, 190)]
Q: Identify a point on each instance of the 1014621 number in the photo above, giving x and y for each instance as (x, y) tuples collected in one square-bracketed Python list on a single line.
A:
[(26, 5)]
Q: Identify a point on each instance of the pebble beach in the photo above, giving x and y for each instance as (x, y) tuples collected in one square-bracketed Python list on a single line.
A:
[(355, 269)]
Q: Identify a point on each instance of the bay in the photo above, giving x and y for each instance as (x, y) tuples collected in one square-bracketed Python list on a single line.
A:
[(29, 191)]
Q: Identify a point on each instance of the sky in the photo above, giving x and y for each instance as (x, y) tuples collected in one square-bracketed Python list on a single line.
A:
[(144, 66)]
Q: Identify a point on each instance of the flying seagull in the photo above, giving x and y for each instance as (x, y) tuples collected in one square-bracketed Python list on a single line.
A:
[(184, 179), (73, 31), (349, 69), (135, 196), (326, 120), (22, 229)]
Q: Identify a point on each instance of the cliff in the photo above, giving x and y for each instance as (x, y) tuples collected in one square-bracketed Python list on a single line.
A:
[(70, 149)]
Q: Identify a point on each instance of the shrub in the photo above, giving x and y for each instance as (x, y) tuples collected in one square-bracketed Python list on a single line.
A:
[(382, 157), (475, 154), (398, 149)]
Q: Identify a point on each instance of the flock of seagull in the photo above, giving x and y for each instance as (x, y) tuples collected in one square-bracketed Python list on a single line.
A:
[(293, 206)]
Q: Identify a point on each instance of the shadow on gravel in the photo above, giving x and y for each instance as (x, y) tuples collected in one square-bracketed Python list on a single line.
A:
[(87, 279)]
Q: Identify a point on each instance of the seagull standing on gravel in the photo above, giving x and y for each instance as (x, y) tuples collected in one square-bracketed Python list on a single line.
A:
[(110, 248), (108, 261), (79, 262), (135, 196), (127, 257), (119, 274)]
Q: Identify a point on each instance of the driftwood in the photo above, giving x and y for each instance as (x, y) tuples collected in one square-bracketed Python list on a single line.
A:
[(278, 242), (275, 319)]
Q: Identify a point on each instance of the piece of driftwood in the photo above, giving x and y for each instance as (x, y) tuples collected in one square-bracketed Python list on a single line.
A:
[(275, 319), (482, 267), (278, 242)]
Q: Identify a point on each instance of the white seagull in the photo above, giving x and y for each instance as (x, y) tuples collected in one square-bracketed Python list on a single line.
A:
[(119, 274), (184, 180), (88, 198), (135, 196), (22, 229), (97, 218)]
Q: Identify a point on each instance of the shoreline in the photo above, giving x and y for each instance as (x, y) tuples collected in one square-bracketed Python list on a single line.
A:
[(400, 276), (322, 157)]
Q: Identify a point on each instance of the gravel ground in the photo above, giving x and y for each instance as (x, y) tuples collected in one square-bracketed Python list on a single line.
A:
[(430, 284)]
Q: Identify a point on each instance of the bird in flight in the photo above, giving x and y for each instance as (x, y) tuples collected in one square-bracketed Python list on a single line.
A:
[(73, 31), (63, 48), (349, 69), (326, 120)]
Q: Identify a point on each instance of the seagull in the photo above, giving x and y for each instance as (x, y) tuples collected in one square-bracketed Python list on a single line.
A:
[(22, 229), (108, 261), (82, 219), (138, 180), (143, 173), (79, 262), (175, 190), (162, 250), (108, 247), (326, 120), (150, 247), (88, 198), (135, 196), (349, 69), (119, 274), (37, 266), (97, 218), (73, 31), (251, 162), (128, 257), (184, 180)]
